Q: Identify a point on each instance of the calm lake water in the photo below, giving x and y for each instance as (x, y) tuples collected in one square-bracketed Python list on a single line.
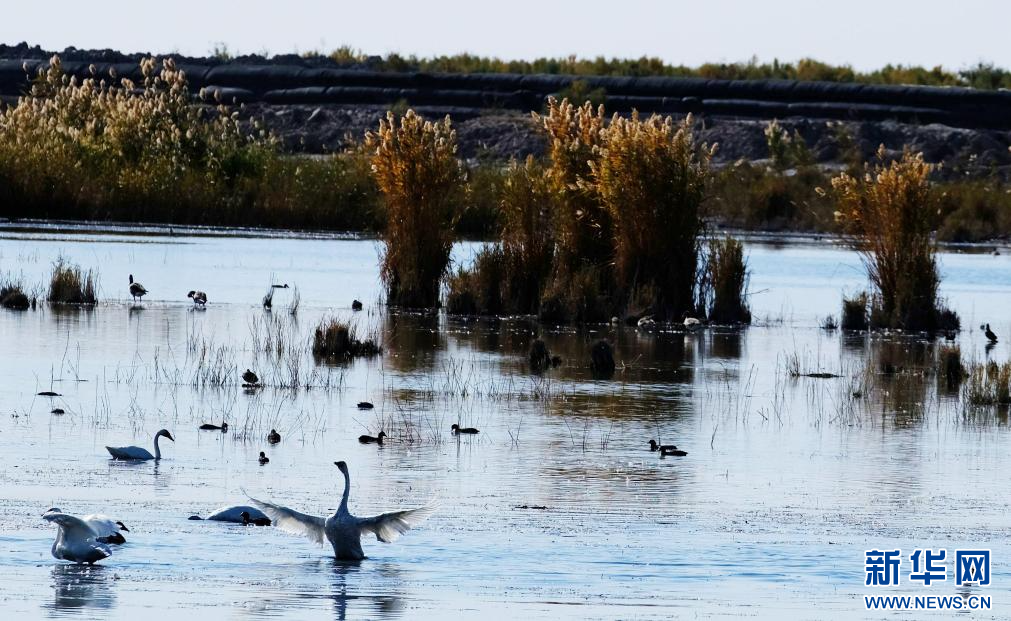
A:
[(557, 509)]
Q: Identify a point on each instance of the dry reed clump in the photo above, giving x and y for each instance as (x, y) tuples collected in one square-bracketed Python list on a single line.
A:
[(107, 148), (891, 213), (13, 295), (988, 384), (337, 339), (509, 277), (854, 312), (415, 166), (727, 278), (69, 285), (652, 177)]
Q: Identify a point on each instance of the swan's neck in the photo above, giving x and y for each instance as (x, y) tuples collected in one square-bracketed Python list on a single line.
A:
[(347, 492), (157, 449)]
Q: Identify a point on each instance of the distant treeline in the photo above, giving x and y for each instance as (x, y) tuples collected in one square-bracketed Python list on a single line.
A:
[(982, 75)]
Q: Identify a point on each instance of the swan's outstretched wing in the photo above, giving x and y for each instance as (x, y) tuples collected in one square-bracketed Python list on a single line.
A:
[(74, 527), (388, 527), (293, 522)]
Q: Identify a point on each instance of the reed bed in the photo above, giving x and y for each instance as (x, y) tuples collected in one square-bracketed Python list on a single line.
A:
[(988, 384), (415, 167), (891, 213), (69, 285), (728, 279), (854, 312), (336, 339), (14, 295)]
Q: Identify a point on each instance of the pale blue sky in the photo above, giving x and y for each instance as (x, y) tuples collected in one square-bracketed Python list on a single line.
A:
[(864, 33)]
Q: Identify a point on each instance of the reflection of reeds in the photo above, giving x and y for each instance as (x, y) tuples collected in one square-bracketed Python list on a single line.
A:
[(68, 285), (950, 371)]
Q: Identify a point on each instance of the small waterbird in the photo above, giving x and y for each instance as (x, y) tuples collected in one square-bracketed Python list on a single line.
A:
[(106, 530), (257, 521), (264, 460), (456, 429), (223, 427), (76, 540), (284, 286), (343, 530), (990, 336), (646, 323), (273, 437), (137, 290), (356, 305), (365, 405), (137, 453), (199, 298), (57, 411), (370, 439), (49, 393), (672, 451), (232, 514), (250, 378), (654, 446)]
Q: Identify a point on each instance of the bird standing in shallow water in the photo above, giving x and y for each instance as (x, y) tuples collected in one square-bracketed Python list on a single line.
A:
[(457, 429), (264, 460), (343, 530), (137, 290), (273, 437), (199, 298), (989, 334)]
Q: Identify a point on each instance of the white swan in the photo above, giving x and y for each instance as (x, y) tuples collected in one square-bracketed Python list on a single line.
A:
[(343, 530), (232, 514), (138, 453), (75, 540), (106, 530)]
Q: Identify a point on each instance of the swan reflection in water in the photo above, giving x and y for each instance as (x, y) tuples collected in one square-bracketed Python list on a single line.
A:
[(388, 605), (81, 586)]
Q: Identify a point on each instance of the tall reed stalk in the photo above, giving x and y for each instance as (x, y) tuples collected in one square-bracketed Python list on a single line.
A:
[(415, 166)]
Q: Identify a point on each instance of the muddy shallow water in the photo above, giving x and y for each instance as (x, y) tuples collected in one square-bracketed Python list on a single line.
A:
[(555, 510)]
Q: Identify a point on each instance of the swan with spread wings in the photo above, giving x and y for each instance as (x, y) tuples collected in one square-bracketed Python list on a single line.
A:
[(343, 530)]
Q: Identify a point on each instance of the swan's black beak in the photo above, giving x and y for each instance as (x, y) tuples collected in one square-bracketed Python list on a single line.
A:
[(169, 436), (122, 526), (340, 464)]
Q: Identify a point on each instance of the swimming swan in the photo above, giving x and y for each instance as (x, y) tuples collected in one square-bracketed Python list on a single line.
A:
[(75, 540), (106, 530), (138, 453), (343, 530), (233, 514)]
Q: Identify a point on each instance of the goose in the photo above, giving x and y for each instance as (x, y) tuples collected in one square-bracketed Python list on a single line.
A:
[(273, 437), (137, 290), (223, 427), (76, 540), (356, 306), (989, 334), (458, 429), (343, 530), (264, 460), (199, 298), (365, 405), (138, 453), (106, 530), (653, 446), (232, 514), (672, 451), (250, 378), (257, 521), (370, 439)]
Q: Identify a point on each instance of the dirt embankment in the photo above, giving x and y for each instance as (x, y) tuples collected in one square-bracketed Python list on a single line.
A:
[(316, 105)]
